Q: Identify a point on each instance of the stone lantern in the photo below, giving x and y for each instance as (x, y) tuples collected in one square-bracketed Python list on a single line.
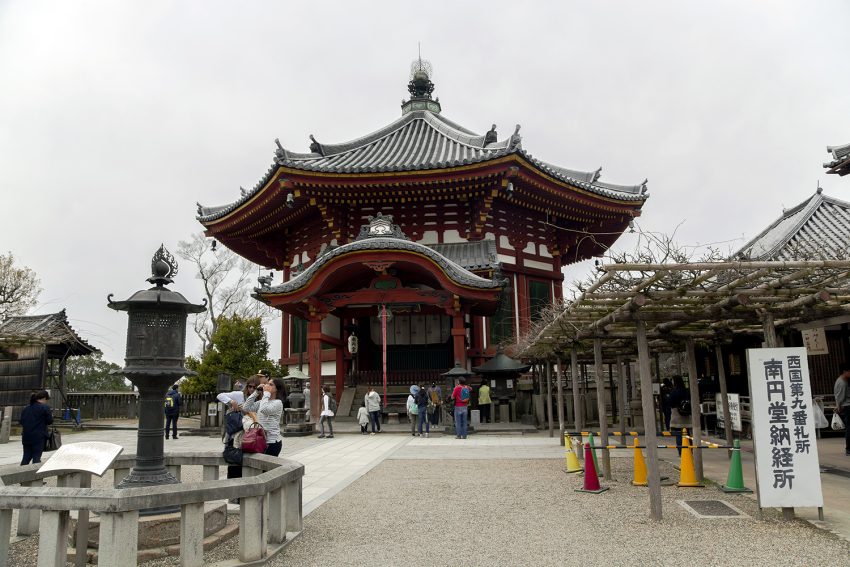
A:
[(156, 344)]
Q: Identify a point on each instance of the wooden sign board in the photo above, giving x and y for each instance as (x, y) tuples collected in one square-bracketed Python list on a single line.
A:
[(91, 456), (815, 341)]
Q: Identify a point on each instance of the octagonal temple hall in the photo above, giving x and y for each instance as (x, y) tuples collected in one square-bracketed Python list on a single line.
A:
[(460, 236)]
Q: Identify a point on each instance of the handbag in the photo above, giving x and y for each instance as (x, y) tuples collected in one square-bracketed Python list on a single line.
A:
[(837, 422), (232, 455), (54, 440), (254, 439)]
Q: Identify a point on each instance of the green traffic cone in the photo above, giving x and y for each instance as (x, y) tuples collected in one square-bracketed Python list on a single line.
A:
[(593, 452), (735, 480)]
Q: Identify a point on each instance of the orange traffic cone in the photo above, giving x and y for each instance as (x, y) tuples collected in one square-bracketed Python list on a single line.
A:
[(640, 475), (591, 478), (573, 465), (687, 474)]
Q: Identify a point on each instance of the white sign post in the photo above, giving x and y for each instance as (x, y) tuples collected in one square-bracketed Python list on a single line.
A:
[(734, 410), (786, 451)]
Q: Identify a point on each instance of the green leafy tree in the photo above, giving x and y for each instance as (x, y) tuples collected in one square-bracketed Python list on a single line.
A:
[(92, 374), (239, 347)]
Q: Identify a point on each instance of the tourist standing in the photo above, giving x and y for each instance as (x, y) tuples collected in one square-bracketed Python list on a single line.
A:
[(412, 409), (664, 395), (34, 420), (306, 393), (363, 419), (422, 399), (327, 415), (269, 412), (460, 397), (373, 406), (842, 402), (679, 419), (484, 402), (437, 399), (241, 403), (173, 401)]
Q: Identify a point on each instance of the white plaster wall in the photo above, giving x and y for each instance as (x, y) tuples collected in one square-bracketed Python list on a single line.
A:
[(504, 259), (539, 265), (452, 236), (544, 251), (505, 243), (429, 237)]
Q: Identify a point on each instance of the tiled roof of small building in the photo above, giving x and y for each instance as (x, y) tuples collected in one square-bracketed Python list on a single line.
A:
[(51, 329), (840, 163), (817, 228), (421, 140), (473, 255)]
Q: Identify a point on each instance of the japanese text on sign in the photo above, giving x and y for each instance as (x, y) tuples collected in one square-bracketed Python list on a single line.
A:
[(783, 428)]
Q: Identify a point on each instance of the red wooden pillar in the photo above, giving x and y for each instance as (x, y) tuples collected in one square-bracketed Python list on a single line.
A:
[(284, 336), (340, 371), (314, 358), (459, 338)]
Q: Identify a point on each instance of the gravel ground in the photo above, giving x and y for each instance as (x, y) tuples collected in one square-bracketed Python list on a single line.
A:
[(525, 512)]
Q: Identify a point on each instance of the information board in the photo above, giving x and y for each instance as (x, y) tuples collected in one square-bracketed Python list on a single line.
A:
[(783, 423), (734, 410), (90, 456)]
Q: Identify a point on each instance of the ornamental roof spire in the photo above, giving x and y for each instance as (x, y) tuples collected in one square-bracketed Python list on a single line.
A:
[(420, 88)]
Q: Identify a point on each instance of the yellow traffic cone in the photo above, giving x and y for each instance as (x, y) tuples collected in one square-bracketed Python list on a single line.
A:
[(687, 474), (573, 465), (639, 478)]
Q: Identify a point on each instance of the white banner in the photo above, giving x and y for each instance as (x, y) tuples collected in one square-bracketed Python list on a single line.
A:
[(784, 428), (734, 410)]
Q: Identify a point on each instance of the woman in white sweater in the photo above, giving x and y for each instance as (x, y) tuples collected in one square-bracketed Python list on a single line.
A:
[(269, 412)]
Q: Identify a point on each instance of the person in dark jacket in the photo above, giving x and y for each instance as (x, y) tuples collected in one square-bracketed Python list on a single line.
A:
[(678, 420), (34, 420), (421, 399), (172, 410)]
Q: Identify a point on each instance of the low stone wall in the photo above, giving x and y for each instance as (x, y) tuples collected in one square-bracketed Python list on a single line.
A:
[(269, 484)]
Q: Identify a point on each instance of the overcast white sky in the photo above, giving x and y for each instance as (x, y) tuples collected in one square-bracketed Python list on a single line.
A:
[(116, 117)]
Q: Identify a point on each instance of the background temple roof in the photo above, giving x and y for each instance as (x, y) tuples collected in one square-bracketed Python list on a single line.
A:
[(817, 228), (51, 329), (840, 163)]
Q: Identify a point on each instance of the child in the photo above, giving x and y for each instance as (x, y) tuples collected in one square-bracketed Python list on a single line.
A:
[(363, 419)]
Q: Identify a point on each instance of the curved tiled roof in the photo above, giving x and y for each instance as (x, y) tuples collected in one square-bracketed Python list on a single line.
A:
[(51, 329), (840, 159), (420, 140), (457, 273), (818, 228)]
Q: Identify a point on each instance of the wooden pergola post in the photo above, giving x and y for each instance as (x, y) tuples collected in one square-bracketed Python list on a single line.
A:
[(621, 397), (576, 397), (696, 424), (599, 372), (650, 438), (559, 375), (724, 398), (549, 398)]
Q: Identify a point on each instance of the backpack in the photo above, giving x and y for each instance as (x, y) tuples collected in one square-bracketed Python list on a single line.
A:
[(684, 407), (464, 394), (332, 403), (169, 401)]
